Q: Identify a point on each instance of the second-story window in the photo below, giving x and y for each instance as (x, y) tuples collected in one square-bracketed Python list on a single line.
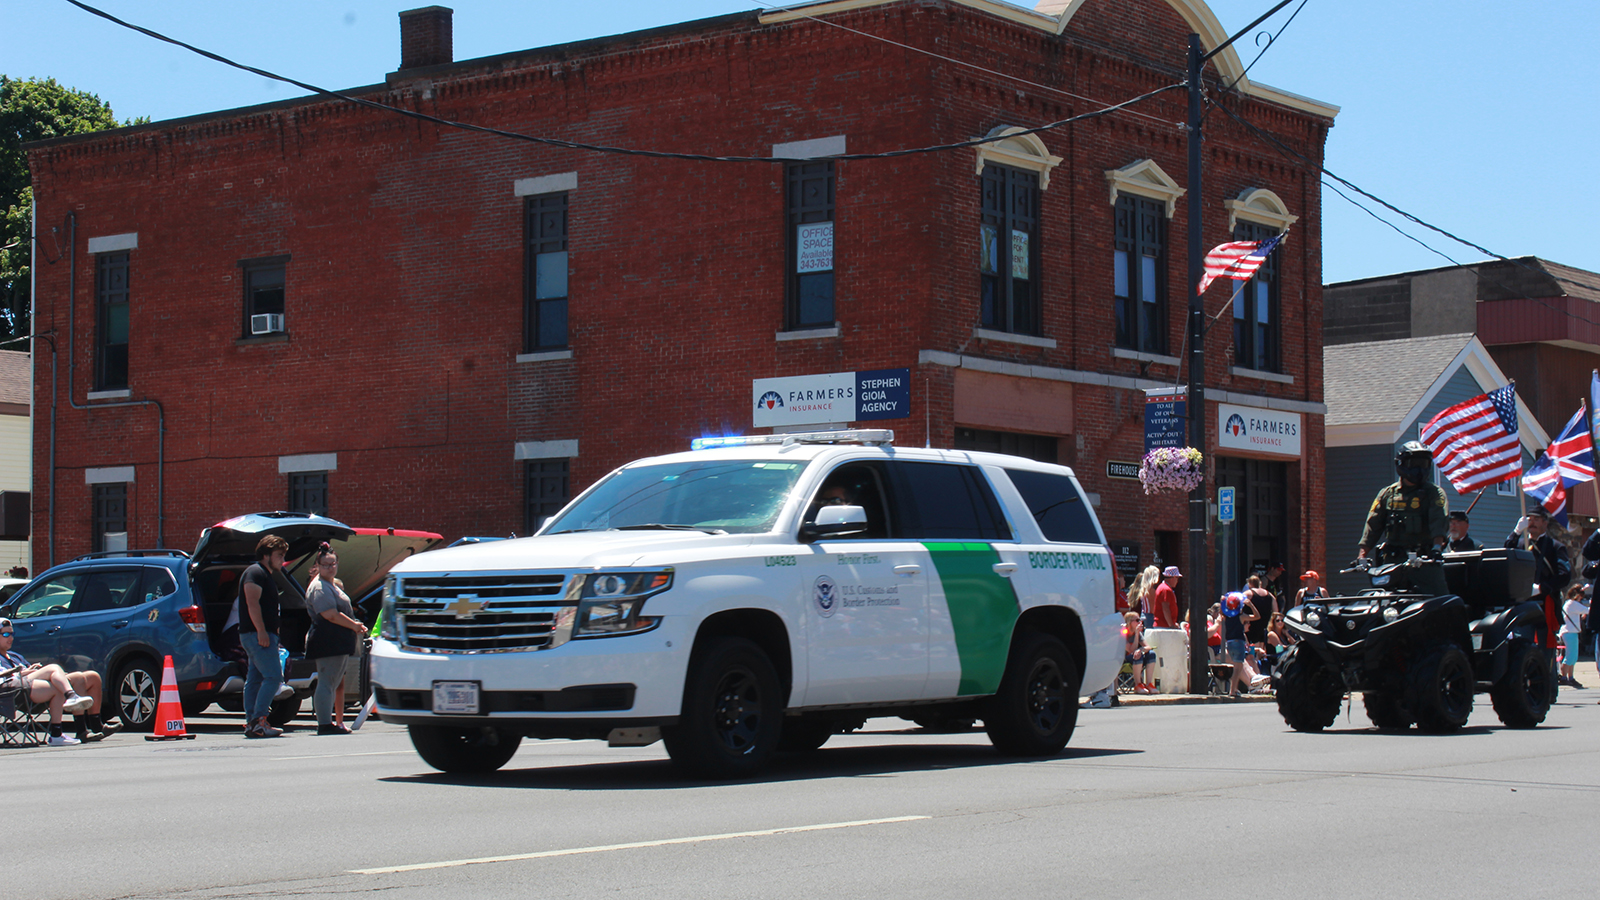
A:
[(1009, 237), (308, 492), (263, 294), (809, 202), (1139, 273), (111, 333), (1255, 311), (545, 319)]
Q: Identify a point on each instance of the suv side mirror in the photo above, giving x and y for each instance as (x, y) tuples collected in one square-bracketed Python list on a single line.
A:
[(835, 521)]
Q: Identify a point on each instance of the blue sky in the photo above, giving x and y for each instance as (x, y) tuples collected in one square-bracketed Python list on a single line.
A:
[(1476, 116)]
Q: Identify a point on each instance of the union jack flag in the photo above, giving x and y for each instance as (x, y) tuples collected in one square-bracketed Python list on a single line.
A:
[(1238, 260), (1475, 442), (1572, 451), (1544, 484)]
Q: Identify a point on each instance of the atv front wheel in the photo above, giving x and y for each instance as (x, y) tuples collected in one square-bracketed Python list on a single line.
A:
[(1440, 692), (1522, 696), (1308, 694)]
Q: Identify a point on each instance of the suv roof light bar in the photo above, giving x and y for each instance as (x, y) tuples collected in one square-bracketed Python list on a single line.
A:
[(869, 436)]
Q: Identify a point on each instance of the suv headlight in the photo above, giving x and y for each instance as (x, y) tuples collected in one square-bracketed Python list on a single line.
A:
[(610, 604)]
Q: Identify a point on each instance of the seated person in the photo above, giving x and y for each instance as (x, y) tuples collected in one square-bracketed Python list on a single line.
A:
[(1138, 654), (49, 685), (830, 495)]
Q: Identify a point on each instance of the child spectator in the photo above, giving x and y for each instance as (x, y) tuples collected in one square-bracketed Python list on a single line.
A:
[(1573, 612), (1136, 653)]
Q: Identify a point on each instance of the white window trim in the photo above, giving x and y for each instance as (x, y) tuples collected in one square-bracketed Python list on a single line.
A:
[(545, 184), (308, 462), (1021, 151), (1007, 337), (1146, 179), (816, 148), (118, 394), (808, 334), (113, 243), (546, 450), (1261, 206), (544, 356), (1141, 356), (109, 475), (1259, 375)]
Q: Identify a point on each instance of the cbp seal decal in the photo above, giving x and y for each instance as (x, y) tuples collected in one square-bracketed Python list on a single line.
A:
[(826, 596), (771, 400)]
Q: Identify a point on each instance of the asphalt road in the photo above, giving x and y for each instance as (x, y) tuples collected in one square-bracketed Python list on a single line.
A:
[(1199, 801)]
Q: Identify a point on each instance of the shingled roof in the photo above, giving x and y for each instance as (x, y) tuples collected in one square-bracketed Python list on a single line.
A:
[(15, 369), (1380, 381)]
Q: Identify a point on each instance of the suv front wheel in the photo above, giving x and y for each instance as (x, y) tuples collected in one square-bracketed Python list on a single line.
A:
[(732, 716)]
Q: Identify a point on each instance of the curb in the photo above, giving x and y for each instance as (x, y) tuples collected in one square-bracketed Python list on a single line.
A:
[(1181, 700)]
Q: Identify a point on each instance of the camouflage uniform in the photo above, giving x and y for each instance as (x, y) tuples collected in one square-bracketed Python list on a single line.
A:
[(1407, 519)]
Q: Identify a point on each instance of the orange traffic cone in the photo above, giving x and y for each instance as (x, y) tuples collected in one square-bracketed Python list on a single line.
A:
[(169, 710)]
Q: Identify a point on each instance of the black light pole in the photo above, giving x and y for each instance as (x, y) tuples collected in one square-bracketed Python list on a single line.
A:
[(1200, 587), (1199, 584)]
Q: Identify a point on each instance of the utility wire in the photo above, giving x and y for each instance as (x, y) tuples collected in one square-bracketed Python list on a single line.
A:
[(1515, 293), (601, 148), (1271, 39)]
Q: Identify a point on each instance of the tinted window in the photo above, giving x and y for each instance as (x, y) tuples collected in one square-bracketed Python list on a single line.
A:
[(1056, 505), (941, 501), (107, 590), (157, 583)]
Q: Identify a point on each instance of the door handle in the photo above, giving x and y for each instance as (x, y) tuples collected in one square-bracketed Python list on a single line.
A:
[(120, 624), (52, 630), (908, 570), (1005, 569)]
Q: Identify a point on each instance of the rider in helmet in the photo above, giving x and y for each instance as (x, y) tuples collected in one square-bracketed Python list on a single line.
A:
[(1410, 515)]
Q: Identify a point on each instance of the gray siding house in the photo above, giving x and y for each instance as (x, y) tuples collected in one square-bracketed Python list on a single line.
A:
[(1379, 395)]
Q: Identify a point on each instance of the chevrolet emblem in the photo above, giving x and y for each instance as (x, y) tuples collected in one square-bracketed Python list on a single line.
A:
[(466, 606)]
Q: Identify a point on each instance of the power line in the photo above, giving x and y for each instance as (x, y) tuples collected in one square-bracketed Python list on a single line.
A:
[(601, 148), (1296, 156), (1271, 39)]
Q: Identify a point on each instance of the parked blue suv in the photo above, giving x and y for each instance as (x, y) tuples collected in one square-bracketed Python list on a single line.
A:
[(120, 613)]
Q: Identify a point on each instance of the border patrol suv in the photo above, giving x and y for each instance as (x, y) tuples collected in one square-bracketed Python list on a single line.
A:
[(760, 594)]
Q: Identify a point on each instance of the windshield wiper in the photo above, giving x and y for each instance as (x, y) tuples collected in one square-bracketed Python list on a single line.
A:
[(572, 530), (662, 526)]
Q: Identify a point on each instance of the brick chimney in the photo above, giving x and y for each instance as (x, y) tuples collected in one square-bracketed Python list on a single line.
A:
[(425, 37)]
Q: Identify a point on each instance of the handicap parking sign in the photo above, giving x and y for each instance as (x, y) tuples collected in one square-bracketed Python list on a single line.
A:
[(1225, 505)]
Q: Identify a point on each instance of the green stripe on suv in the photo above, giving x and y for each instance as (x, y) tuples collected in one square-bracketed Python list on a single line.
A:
[(983, 611)]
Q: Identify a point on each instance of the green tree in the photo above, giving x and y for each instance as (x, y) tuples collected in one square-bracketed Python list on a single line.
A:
[(31, 110)]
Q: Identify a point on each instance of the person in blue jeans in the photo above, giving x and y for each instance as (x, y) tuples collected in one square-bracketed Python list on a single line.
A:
[(258, 634), (1237, 613)]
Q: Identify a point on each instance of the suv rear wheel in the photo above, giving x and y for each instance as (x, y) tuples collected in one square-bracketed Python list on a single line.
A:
[(136, 691), (1036, 708)]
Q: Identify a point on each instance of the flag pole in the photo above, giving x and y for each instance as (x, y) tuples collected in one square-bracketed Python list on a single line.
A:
[(1480, 495)]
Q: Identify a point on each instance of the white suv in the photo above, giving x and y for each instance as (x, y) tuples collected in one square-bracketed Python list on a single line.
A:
[(761, 594)]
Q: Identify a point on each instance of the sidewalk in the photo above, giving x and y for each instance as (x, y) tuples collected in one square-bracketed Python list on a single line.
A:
[(1585, 672)]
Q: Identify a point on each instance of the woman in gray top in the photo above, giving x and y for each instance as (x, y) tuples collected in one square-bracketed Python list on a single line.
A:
[(331, 641)]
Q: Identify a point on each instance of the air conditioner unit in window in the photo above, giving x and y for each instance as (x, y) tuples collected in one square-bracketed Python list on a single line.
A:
[(266, 323)]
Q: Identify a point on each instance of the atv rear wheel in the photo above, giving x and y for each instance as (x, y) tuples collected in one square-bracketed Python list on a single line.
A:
[(1386, 709), (1440, 689), (1308, 694), (1522, 696)]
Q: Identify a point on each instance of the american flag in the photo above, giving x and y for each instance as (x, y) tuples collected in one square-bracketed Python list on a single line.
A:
[(1237, 260), (1475, 443), (1544, 484), (1572, 451)]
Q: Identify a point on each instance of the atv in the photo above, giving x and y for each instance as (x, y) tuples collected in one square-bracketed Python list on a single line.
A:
[(1417, 658)]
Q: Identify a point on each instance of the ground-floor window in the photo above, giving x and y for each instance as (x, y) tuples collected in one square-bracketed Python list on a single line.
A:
[(308, 492), (548, 488), (110, 527)]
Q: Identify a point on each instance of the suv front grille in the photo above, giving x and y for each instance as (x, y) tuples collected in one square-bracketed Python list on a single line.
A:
[(479, 613)]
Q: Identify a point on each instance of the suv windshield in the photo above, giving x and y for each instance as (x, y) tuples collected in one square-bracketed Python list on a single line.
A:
[(736, 496)]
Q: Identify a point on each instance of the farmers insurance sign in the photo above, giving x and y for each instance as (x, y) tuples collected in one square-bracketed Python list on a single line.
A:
[(835, 397), (1267, 431)]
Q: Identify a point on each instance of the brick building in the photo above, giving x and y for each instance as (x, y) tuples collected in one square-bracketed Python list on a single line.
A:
[(459, 329)]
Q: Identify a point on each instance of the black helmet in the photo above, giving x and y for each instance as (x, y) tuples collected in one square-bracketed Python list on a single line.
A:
[(1414, 462)]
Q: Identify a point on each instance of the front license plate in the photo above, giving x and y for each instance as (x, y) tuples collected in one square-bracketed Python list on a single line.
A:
[(458, 698)]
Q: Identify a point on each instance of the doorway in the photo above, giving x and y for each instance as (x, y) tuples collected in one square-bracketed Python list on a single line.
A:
[(1260, 530)]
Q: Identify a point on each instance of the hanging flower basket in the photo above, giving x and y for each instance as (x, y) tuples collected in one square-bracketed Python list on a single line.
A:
[(1172, 469)]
